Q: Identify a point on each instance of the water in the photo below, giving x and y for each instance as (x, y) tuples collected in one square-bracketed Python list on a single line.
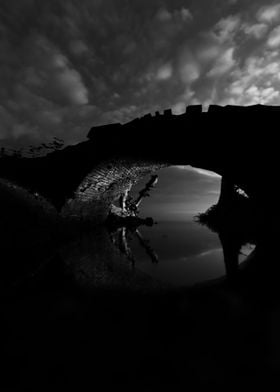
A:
[(187, 253), (177, 251)]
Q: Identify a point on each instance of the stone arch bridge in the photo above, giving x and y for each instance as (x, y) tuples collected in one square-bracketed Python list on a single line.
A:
[(239, 143)]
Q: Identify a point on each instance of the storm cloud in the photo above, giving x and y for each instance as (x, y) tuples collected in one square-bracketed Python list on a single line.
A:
[(68, 65)]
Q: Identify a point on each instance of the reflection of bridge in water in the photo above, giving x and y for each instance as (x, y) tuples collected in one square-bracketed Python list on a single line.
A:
[(122, 238)]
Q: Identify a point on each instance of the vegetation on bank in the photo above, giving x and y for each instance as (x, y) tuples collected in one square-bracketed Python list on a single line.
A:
[(238, 218), (33, 151)]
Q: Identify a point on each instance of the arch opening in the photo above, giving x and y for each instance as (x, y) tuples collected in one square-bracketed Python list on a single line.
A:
[(181, 249)]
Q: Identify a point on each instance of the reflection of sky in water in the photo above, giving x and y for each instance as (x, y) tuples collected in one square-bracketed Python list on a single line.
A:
[(188, 253)]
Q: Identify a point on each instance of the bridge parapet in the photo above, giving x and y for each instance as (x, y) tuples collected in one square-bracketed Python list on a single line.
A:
[(193, 116)]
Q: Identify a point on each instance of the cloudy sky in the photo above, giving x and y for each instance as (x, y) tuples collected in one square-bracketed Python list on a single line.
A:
[(68, 65), (180, 193)]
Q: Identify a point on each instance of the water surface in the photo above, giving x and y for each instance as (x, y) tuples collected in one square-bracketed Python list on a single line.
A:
[(187, 252)]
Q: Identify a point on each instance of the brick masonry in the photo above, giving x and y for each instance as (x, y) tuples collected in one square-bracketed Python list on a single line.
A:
[(104, 185)]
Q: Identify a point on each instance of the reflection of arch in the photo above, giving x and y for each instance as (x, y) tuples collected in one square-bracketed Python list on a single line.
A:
[(231, 246), (231, 250), (120, 238)]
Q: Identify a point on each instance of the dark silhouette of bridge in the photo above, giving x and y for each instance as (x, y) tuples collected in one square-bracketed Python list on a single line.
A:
[(239, 143)]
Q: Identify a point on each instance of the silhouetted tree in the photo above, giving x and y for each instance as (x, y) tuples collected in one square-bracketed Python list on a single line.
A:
[(132, 206)]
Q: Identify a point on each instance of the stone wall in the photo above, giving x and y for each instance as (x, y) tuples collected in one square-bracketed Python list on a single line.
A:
[(104, 185)]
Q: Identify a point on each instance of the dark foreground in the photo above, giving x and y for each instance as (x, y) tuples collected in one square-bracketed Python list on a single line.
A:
[(72, 320), (58, 332)]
